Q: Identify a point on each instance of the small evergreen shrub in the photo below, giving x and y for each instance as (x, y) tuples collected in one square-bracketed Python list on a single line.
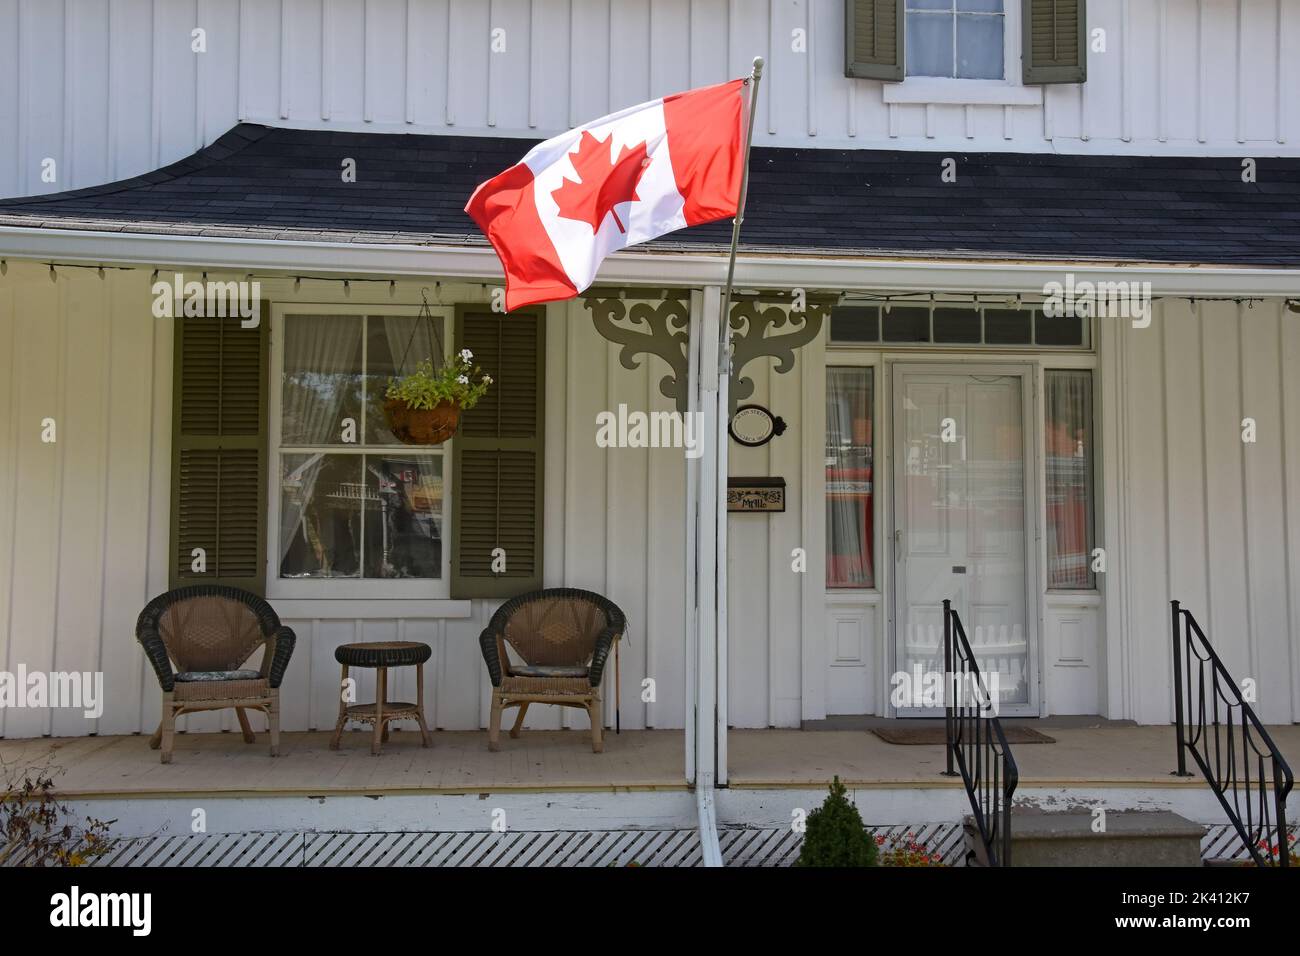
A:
[(835, 835)]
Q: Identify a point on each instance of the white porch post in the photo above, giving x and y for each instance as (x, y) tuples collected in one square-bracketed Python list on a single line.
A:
[(722, 415), (707, 585), (710, 547), (691, 622)]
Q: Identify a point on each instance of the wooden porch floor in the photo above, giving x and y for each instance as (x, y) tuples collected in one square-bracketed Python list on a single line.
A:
[(459, 762)]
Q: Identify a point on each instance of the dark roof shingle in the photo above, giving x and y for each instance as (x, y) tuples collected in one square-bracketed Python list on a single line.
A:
[(275, 183)]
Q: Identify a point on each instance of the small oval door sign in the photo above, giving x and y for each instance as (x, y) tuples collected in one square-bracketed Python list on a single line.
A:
[(754, 425)]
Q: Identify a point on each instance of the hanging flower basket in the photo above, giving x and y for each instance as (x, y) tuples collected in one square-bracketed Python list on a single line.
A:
[(422, 426), (424, 408)]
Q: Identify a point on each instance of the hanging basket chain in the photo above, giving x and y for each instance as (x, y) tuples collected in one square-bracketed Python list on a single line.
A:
[(434, 335)]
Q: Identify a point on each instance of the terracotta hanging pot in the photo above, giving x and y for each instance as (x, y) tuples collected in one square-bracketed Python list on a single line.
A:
[(422, 426)]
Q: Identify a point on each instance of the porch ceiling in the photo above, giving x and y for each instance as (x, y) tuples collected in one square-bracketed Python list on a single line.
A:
[(263, 183)]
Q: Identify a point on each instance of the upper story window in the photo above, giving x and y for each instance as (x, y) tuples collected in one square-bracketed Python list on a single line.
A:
[(966, 39), (961, 39)]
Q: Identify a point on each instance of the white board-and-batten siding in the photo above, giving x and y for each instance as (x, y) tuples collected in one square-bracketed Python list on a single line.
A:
[(1193, 511), (85, 520), (1186, 510), (112, 89)]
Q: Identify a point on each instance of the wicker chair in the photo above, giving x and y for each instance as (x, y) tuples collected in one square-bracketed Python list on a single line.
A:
[(562, 638), (207, 632)]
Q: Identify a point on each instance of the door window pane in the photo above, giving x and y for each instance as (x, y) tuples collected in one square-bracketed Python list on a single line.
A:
[(849, 519), (1069, 453)]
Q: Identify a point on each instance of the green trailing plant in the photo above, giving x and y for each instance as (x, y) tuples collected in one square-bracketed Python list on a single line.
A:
[(458, 381), (835, 836), (37, 829)]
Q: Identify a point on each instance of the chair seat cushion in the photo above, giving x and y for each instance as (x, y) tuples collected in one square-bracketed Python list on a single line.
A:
[(544, 670), (196, 676), (546, 686)]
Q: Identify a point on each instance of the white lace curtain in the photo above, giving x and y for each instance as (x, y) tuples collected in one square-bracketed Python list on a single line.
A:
[(1068, 407), (322, 358), (849, 477)]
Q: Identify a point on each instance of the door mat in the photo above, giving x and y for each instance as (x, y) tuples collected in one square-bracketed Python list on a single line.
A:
[(909, 736)]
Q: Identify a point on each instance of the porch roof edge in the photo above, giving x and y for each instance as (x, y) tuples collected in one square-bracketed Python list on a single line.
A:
[(477, 263)]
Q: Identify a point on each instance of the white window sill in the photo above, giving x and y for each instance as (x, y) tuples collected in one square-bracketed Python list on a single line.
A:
[(321, 609), (926, 90)]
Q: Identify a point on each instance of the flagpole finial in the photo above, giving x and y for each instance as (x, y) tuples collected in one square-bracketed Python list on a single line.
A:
[(758, 67)]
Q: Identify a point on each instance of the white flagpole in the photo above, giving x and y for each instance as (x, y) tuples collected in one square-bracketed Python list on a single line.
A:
[(719, 491), (724, 353)]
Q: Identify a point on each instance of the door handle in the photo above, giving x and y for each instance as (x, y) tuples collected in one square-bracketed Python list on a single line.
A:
[(898, 539)]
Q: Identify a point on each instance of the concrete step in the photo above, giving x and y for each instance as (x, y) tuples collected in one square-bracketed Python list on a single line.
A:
[(1068, 838)]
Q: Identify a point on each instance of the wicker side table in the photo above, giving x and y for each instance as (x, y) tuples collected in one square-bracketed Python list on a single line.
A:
[(381, 656)]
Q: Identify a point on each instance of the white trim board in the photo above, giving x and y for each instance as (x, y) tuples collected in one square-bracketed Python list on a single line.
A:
[(634, 268)]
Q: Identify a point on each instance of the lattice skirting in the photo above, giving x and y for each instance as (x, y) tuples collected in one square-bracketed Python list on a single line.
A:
[(1222, 844), (741, 846)]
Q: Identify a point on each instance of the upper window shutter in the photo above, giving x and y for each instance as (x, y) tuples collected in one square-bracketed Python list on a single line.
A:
[(1054, 36), (219, 452), (873, 39), (497, 457)]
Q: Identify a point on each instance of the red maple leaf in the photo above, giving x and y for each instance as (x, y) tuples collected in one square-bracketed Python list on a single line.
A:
[(602, 185)]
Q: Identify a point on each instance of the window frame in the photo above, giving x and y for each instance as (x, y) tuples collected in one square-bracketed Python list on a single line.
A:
[(1008, 35), (1050, 364), (1089, 328), (347, 588), (867, 358)]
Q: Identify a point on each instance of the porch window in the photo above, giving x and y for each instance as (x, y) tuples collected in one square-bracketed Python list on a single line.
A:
[(960, 39), (849, 530), (1069, 445), (354, 503), (956, 326)]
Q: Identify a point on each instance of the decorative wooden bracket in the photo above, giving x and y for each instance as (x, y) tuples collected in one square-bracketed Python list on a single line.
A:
[(758, 330), (753, 336), (654, 328)]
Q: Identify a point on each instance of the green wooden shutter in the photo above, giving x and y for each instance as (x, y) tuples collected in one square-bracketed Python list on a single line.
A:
[(497, 456), (219, 455), (1054, 38), (873, 39)]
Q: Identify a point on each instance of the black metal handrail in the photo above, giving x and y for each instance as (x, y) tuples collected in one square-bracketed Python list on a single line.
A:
[(976, 743), (1222, 718)]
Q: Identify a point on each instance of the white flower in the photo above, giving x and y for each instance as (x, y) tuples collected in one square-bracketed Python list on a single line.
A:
[(487, 379), (466, 355), (463, 379)]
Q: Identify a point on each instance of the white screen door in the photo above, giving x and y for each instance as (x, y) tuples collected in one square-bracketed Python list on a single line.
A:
[(960, 526)]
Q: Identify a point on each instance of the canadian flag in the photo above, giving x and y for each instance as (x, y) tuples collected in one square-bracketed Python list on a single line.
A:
[(619, 180)]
